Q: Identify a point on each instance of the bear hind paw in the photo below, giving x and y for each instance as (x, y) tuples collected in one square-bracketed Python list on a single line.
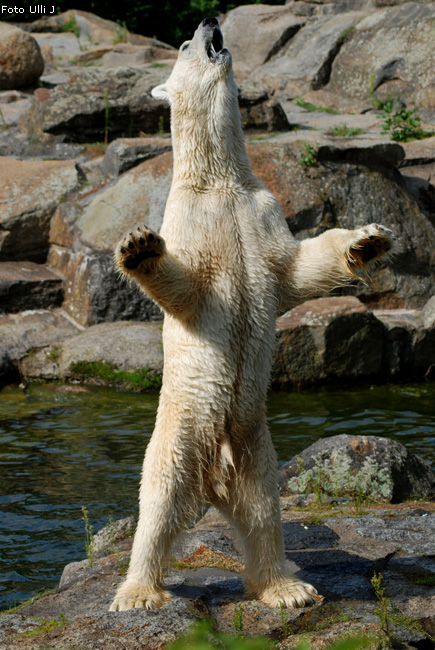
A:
[(290, 592), (136, 596)]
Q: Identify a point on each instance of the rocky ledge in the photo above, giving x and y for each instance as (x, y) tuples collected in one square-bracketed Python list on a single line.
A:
[(360, 554), (350, 549)]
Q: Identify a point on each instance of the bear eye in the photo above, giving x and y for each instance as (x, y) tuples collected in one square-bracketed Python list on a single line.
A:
[(185, 46)]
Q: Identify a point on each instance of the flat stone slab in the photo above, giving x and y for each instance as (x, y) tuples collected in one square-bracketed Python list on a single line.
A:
[(26, 285), (25, 331), (122, 346)]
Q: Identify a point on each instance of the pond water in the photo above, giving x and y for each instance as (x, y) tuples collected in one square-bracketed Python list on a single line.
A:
[(60, 451)]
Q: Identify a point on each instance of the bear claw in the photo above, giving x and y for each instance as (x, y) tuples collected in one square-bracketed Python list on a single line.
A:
[(138, 249)]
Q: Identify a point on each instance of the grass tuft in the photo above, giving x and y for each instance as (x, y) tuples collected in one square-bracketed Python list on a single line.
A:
[(100, 372)]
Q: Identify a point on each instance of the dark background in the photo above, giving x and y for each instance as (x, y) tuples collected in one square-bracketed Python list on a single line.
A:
[(171, 21)]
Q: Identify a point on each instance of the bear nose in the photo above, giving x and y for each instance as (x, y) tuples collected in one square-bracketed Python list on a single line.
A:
[(210, 21)]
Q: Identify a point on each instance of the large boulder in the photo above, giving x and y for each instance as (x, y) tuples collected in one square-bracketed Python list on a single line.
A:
[(329, 339), (21, 62), (91, 29), (125, 353), (84, 235), (390, 52), (23, 332), (254, 33), (29, 194), (306, 60), (370, 466), (101, 103), (26, 285)]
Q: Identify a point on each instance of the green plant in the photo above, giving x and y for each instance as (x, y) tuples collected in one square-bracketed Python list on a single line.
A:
[(46, 625), (100, 372), (123, 562), (308, 156), (343, 130), (285, 625), (3, 124), (71, 26), (55, 353), (106, 116), (345, 34), (389, 614), (202, 636), (161, 126), (121, 35), (238, 620), (400, 124), (89, 540), (382, 610), (309, 106)]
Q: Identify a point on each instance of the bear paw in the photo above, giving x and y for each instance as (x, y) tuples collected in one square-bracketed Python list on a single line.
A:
[(138, 250), (370, 243), (133, 595), (289, 592)]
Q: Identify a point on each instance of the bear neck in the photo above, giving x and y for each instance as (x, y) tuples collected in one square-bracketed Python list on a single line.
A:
[(209, 146)]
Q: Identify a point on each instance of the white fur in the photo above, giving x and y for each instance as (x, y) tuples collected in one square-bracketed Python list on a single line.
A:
[(224, 264)]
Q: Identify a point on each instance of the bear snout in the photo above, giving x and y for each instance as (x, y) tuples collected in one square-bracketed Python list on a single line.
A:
[(210, 21)]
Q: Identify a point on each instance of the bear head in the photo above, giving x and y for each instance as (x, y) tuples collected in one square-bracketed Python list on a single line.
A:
[(203, 65)]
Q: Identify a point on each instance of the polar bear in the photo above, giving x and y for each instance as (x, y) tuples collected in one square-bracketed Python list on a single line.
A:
[(222, 266)]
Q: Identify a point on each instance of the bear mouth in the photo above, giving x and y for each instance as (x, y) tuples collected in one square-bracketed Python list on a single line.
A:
[(216, 45)]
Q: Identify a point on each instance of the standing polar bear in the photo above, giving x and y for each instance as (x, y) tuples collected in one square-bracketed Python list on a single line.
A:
[(222, 266)]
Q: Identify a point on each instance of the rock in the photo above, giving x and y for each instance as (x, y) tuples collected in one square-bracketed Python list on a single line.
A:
[(273, 28), (115, 531), (29, 194), (100, 103), (328, 339), (55, 46), (379, 468), (94, 29), (26, 285), (338, 555), (391, 51), (21, 62), (105, 354), (13, 105), (22, 333), (84, 236), (306, 60), (127, 54), (423, 352), (401, 326), (125, 153)]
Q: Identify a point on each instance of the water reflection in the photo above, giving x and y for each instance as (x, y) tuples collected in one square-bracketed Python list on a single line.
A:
[(60, 451)]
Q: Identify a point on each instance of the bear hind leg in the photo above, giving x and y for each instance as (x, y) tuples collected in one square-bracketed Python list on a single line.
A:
[(253, 508)]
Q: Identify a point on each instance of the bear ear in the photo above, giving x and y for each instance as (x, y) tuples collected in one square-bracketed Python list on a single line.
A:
[(161, 92)]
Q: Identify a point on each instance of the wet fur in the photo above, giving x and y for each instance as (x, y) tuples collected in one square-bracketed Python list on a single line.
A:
[(222, 265)]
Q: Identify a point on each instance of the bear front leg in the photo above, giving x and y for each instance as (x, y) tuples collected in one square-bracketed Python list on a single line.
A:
[(331, 260), (370, 243), (142, 256)]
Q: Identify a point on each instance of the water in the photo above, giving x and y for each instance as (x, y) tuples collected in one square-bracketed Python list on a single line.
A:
[(60, 451)]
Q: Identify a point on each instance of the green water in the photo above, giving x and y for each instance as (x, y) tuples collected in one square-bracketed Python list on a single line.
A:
[(61, 450)]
